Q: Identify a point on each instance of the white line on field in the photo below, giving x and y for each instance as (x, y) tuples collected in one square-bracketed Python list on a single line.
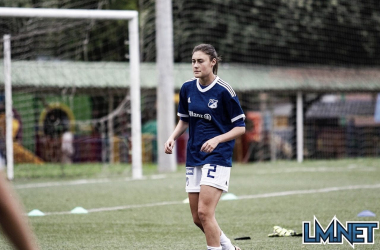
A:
[(104, 209), (154, 177), (242, 197), (310, 191), (316, 169), (80, 182)]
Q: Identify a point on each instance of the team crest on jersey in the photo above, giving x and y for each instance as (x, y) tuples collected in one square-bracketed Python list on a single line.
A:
[(212, 103)]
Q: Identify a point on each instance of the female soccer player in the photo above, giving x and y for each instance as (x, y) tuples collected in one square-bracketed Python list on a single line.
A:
[(211, 110)]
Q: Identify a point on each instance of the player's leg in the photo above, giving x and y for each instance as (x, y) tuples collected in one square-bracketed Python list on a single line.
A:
[(225, 242), (193, 179), (219, 178), (208, 200), (193, 200)]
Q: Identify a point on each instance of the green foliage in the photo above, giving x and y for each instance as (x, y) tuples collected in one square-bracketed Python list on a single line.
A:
[(276, 32), (123, 5), (271, 32)]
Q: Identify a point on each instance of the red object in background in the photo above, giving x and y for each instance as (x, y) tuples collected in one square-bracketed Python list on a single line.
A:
[(181, 147), (253, 126), (254, 123), (48, 148), (87, 148)]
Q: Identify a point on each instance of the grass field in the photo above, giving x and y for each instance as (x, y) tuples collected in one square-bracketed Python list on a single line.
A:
[(150, 214)]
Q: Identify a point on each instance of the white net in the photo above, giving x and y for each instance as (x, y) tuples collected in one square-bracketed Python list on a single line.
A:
[(273, 32), (70, 90), (272, 49)]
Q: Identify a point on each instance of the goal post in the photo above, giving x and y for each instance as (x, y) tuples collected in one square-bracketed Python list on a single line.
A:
[(8, 105), (134, 60)]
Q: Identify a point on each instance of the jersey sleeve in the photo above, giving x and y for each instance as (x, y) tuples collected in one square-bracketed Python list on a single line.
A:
[(235, 112), (183, 109)]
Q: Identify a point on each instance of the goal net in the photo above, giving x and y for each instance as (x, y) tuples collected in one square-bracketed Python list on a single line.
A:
[(327, 51), (75, 86)]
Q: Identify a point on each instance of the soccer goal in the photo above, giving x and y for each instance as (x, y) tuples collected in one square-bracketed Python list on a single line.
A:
[(72, 87)]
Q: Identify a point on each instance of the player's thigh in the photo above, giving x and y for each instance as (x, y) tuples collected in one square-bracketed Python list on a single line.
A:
[(193, 202), (208, 199)]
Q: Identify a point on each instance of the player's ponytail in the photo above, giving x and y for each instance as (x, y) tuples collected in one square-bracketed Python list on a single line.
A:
[(209, 50)]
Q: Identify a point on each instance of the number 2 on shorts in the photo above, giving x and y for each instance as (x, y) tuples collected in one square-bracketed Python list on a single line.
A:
[(211, 170)]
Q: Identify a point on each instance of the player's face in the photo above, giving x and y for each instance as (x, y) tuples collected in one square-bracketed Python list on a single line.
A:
[(202, 66)]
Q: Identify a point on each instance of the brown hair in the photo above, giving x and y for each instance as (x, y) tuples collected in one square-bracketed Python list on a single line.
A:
[(209, 50)]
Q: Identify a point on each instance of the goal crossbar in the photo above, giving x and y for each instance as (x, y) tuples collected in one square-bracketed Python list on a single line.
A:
[(68, 13), (134, 53)]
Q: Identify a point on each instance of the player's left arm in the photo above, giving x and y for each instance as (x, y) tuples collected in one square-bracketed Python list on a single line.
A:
[(211, 144), (237, 118)]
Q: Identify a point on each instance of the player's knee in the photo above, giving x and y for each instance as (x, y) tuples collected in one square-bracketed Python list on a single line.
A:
[(204, 215), (198, 223), (196, 219)]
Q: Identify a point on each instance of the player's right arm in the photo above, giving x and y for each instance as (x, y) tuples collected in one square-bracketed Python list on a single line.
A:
[(179, 129), (183, 123)]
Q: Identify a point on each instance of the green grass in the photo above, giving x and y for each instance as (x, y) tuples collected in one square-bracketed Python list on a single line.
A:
[(87, 170), (170, 226)]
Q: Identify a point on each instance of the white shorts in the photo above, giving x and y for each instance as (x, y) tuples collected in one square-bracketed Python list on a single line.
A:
[(211, 175)]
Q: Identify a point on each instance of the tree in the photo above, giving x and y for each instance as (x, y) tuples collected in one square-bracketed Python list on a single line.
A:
[(273, 32)]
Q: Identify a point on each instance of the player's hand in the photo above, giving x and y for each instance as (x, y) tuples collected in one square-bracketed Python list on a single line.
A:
[(210, 145), (169, 145)]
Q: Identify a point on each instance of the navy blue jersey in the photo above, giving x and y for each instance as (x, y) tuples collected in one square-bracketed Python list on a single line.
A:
[(210, 111)]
